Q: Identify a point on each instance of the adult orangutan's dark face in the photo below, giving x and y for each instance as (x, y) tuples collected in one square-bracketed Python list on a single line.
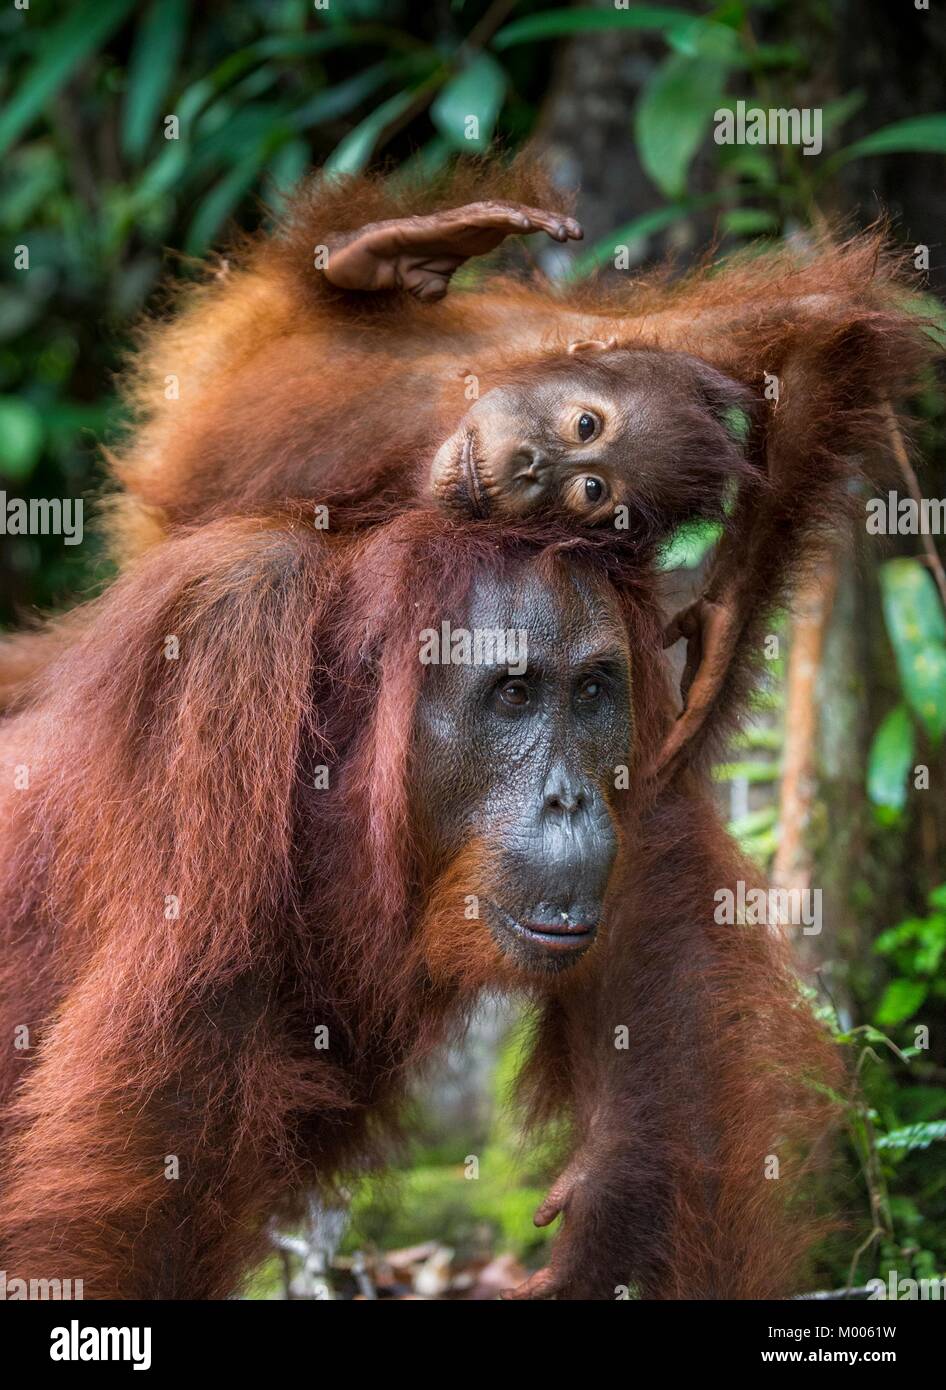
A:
[(515, 772)]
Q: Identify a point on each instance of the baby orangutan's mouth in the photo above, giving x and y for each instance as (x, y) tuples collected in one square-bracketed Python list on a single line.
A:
[(455, 481), (479, 503)]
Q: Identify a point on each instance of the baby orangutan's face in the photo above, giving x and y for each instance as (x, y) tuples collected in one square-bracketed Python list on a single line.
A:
[(595, 432)]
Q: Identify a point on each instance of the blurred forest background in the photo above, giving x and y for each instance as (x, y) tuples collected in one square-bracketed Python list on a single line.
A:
[(622, 102)]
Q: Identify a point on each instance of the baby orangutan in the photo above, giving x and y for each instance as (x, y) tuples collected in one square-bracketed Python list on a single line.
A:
[(609, 436)]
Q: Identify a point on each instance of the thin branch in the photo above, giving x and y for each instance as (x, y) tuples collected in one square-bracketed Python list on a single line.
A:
[(906, 468), (812, 610)]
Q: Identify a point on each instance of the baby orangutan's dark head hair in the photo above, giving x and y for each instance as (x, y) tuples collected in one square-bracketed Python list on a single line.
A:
[(601, 433)]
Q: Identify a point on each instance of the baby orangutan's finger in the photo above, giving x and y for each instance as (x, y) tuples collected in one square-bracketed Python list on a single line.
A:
[(541, 1284), (380, 256)]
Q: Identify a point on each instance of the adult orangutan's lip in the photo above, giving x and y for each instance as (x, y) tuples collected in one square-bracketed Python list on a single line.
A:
[(554, 938), (560, 929), (478, 500), (558, 938)]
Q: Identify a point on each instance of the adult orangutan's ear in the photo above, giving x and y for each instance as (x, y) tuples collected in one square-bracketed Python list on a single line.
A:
[(592, 345)]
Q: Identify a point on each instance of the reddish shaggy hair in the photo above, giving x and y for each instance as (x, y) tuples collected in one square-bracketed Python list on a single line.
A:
[(181, 907), (191, 1035)]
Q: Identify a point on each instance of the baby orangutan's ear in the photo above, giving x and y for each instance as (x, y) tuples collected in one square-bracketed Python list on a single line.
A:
[(592, 345)]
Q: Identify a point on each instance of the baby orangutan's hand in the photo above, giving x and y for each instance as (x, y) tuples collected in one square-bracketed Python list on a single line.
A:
[(553, 1281), (420, 254)]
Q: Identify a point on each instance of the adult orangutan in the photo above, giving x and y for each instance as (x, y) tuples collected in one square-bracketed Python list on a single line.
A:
[(240, 810)]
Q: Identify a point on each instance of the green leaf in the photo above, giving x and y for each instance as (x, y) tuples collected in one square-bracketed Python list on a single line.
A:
[(890, 760), (835, 113), (337, 101), (21, 438), (352, 153), (737, 424), (285, 170), (910, 1137), (900, 1001), (913, 612), (928, 307), (917, 628), (427, 162), (926, 690), (220, 202), (754, 822), (688, 545), (916, 134), (748, 771), (937, 897), (476, 95), (749, 162), (674, 113), (151, 71), (558, 24), (758, 736), (748, 221), (61, 50), (33, 173)]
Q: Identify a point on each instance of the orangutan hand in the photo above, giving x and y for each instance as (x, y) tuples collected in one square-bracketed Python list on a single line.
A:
[(553, 1281), (420, 254)]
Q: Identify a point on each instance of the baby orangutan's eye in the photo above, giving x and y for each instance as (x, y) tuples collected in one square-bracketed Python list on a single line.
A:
[(587, 426), (584, 492)]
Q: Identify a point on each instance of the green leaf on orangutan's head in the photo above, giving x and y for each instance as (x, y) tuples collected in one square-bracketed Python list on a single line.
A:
[(688, 544), (736, 422)]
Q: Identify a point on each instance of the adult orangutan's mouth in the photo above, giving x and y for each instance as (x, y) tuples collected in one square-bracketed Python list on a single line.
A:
[(478, 500), (561, 938), (553, 938)]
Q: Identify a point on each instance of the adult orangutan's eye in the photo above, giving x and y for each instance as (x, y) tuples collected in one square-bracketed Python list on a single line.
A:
[(589, 690), (587, 426), (514, 693), (594, 489)]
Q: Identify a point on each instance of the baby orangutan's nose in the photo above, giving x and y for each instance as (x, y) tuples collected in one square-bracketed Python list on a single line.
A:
[(528, 462)]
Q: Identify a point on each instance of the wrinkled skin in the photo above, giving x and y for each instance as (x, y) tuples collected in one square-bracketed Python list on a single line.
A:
[(524, 764), (420, 254), (593, 432)]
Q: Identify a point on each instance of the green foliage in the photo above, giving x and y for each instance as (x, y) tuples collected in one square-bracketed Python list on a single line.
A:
[(897, 1116), (922, 134), (432, 1192), (673, 115), (689, 545), (915, 948), (476, 93), (555, 24), (493, 1208), (21, 438), (895, 1124), (890, 761), (913, 1137), (917, 629)]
